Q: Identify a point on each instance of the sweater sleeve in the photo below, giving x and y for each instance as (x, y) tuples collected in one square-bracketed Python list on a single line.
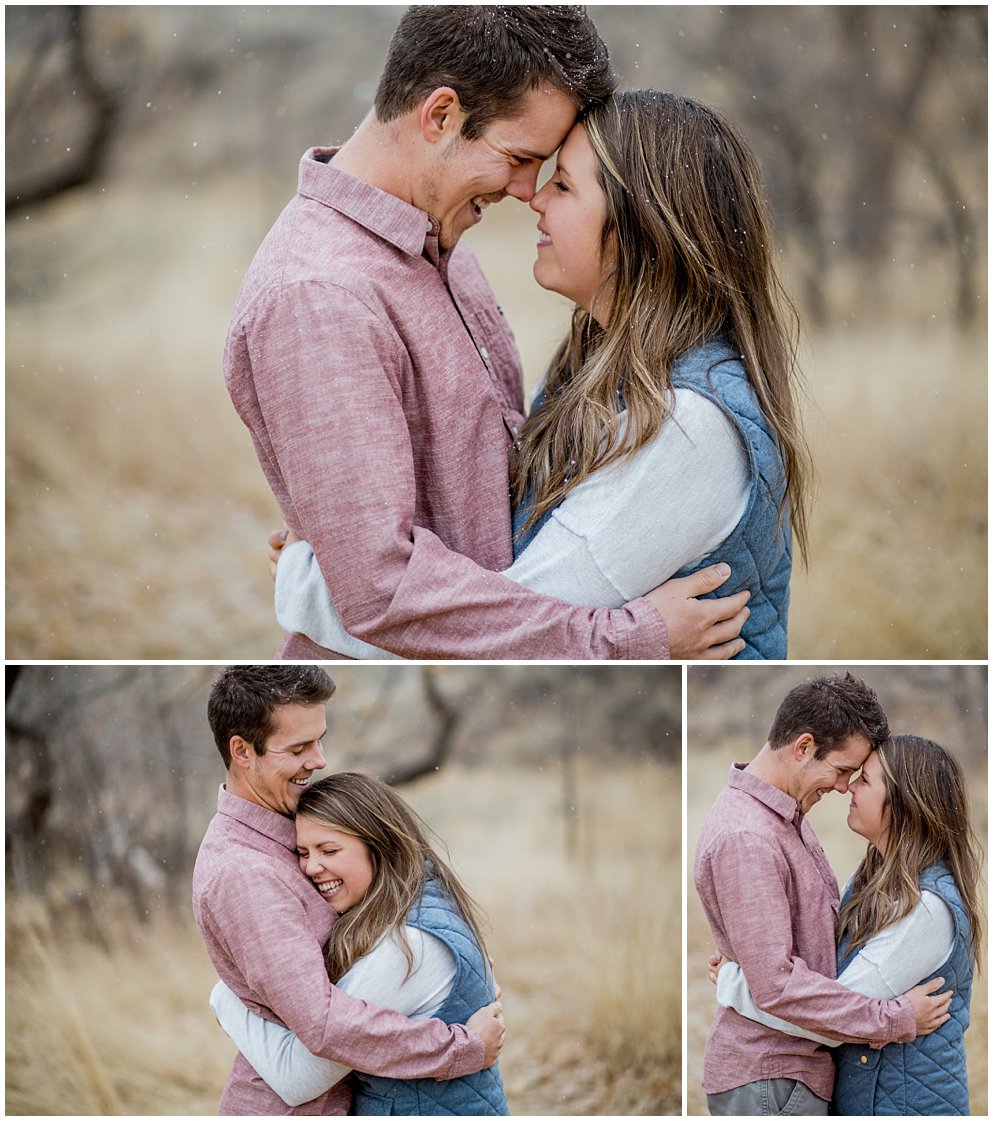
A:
[(380, 977), (895, 960), (617, 535), (630, 526)]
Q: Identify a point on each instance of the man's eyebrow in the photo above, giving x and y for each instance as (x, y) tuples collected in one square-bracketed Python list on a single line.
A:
[(529, 154), (299, 743)]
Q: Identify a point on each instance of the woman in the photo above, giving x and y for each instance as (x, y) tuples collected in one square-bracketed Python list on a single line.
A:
[(407, 938), (665, 434), (909, 913)]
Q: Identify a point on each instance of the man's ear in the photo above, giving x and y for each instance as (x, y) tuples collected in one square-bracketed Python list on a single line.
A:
[(242, 753), (441, 115), (803, 747)]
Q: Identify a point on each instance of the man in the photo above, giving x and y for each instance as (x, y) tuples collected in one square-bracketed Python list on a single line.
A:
[(264, 924), (377, 376), (771, 898)]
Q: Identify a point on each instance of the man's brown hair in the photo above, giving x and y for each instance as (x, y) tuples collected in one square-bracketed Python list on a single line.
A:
[(492, 55), (830, 708), (244, 699)]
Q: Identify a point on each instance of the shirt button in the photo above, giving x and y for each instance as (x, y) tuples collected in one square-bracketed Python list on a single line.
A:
[(484, 352), (863, 1059)]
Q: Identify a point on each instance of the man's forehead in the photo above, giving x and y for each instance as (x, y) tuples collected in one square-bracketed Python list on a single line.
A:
[(852, 753), (539, 123)]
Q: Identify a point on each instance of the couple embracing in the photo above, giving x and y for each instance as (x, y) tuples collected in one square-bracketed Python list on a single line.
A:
[(857, 1003), (353, 972), (427, 515)]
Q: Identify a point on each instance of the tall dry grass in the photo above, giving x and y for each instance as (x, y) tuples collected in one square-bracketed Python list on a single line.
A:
[(137, 513), (585, 933), (706, 775)]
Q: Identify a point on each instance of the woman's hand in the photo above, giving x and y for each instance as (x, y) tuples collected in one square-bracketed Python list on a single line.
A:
[(278, 539), (715, 964)]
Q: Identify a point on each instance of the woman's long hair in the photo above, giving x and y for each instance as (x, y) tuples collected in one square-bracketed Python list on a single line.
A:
[(687, 254), (926, 820), (402, 861)]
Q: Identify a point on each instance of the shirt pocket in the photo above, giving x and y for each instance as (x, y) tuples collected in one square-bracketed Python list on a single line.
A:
[(495, 342)]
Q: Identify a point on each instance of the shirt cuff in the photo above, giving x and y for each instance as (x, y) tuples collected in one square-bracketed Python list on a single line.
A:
[(469, 1059), (906, 1022), (648, 636)]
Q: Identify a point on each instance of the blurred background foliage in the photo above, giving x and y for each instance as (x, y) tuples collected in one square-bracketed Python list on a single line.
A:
[(150, 148)]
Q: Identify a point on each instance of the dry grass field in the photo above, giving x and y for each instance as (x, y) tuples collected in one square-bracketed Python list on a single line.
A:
[(585, 929), (137, 514), (706, 775)]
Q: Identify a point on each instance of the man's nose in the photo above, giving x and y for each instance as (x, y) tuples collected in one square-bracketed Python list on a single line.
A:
[(524, 182), (842, 785), (315, 758)]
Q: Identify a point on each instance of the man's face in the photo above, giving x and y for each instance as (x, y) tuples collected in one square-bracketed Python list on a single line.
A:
[(293, 753), (466, 176), (811, 778)]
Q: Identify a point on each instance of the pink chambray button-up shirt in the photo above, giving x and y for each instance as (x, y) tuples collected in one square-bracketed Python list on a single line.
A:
[(265, 928), (382, 388), (771, 899)]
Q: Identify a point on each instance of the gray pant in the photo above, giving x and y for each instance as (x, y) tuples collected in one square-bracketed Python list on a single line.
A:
[(771, 1097)]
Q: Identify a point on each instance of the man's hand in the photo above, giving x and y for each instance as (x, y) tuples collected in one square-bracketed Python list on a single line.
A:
[(277, 540), (715, 963), (931, 1011), (701, 628), (488, 1024)]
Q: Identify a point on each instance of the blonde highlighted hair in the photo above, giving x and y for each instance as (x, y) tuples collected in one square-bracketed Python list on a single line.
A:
[(687, 255), (926, 820), (402, 860)]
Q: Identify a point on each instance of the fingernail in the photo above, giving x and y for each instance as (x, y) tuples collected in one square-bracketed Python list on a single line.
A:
[(282, 535), (724, 569)]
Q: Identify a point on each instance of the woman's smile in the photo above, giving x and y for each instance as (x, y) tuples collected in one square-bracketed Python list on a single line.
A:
[(337, 863), (572, 209)]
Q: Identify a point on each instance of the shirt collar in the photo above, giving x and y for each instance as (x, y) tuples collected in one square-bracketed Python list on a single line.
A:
[(777, 800), (411, 230), (267, 822)]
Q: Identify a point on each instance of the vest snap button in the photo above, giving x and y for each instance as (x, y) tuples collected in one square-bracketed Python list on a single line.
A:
[(863, 1059)]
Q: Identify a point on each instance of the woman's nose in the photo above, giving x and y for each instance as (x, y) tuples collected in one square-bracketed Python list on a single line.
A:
[(537, 202)]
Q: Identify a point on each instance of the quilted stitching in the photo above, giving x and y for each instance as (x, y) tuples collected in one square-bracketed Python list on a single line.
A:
[(928, 1076), (476, 1094), (759, 550)]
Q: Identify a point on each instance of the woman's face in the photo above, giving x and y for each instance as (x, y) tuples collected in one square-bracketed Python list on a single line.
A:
[(572, 209), (338, 863), (868, 815)]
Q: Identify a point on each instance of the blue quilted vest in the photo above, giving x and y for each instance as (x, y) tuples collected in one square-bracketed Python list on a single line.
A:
[(926, 1077), (480, 1093), (759, 548)]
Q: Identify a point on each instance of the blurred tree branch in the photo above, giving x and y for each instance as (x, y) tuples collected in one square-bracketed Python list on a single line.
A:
[(32, 100), (448, 716)]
